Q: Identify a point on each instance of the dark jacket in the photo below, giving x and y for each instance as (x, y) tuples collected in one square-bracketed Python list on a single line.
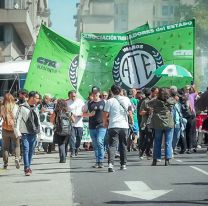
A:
[(162, 113)]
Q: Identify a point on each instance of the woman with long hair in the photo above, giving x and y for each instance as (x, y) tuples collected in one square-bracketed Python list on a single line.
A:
[(163, 124), (62, 119), (8, 113)]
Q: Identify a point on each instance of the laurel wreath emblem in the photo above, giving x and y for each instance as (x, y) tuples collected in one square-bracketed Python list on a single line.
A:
[(116, 67), (116, 71), (73, 72)]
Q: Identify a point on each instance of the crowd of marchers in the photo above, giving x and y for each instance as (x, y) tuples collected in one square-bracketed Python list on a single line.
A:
[(149, 121)]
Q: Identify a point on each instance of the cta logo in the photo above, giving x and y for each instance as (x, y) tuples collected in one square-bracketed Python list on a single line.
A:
[(134, 66), (73, 71), (48, 62)]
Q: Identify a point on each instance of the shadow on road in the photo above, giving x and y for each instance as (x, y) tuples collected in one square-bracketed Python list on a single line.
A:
[(196, 202)]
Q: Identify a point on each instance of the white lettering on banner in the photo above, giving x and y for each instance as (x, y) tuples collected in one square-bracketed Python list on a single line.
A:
[(183, 53), (133, 35), (46, 134), (86, 134), (134, 66)]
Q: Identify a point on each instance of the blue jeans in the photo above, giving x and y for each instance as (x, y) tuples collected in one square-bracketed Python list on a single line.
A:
[(75, 139), (28, 145), (158, 142), (98, 136), (176, 135)]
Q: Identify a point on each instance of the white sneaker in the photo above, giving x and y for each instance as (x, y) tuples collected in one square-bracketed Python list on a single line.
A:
[(17, 164), (123, 167), (95, 165), (110, 168)]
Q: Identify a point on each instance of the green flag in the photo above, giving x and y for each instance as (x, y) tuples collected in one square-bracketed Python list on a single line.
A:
[(54, 64), (130, 59), (139, 28)]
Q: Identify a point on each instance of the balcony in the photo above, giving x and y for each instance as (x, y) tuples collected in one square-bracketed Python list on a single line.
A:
[(44, 13), (21, 21)]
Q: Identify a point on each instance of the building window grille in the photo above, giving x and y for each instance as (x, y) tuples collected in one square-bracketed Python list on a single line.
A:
[(165, 10), (1, 33)]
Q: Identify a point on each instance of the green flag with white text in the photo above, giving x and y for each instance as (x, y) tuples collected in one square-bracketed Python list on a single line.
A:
[(130, 59), (54, 65)]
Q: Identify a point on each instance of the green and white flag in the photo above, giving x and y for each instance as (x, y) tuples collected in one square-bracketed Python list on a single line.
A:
[(131, 59), (54, 65)]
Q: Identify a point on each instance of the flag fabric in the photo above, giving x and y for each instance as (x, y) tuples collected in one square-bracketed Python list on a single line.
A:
[(54, 65), (130, 59)]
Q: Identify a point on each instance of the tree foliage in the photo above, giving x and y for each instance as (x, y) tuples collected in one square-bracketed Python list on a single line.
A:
[(199, 11)]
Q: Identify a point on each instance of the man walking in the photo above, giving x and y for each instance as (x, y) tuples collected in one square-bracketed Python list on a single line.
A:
[(27, 126), (75, 106), (117, 110)]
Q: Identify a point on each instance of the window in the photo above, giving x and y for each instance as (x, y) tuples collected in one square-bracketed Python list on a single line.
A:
[(165, 23), (171, 10), (1, 33), (158, 23), (165, 10), (154, 10), (2, 4)]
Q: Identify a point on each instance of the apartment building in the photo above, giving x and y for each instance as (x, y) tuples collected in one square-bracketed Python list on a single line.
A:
[(122, 15), (20, 21)]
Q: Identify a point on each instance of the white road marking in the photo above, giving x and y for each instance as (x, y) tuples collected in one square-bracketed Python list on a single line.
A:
[(141, 190), (178, 160), (200, 170)]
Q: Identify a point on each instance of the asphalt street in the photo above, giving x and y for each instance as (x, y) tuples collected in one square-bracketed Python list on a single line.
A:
[(184, 182)]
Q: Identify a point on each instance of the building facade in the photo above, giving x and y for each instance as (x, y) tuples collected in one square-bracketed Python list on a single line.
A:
[(108, 16), (20, 21)]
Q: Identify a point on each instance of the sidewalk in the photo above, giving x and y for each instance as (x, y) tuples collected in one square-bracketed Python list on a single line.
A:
[(49, 184)]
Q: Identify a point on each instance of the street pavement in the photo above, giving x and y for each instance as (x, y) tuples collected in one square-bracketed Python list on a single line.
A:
[(184, 182), (49, 184)]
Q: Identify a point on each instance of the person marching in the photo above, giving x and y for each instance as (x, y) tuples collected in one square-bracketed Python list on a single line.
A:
[(117, 110), (8, 113), (27, 127)]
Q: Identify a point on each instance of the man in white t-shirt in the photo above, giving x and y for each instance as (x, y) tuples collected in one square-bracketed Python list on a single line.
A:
[(117, 110), (75, 106)]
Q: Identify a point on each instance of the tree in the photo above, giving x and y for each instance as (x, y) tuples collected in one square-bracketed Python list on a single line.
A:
[(198, 11)]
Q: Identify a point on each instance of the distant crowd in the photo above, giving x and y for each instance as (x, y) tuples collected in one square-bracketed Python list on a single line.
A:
[(119, 121)]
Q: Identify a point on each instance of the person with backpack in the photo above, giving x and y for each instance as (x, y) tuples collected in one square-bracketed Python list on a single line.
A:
[(62, 120), (27, 127), (8, 112)]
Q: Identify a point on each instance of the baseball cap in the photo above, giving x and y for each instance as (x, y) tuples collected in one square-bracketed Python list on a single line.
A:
[(95, 89), (174, 88)]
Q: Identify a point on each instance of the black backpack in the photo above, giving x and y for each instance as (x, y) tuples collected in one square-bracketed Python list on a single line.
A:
[(32, 123), (62, 124)]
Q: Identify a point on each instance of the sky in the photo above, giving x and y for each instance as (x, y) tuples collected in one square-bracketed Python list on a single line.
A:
[(62, 12)]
